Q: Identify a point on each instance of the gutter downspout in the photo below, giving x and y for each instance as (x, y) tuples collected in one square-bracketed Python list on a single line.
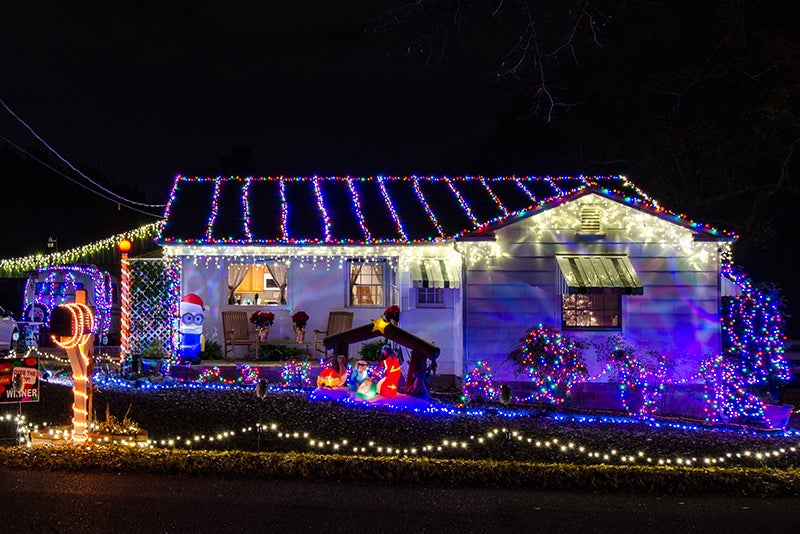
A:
[(464, 330)]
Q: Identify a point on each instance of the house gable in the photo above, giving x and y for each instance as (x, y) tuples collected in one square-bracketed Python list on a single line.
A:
[(514, 281)]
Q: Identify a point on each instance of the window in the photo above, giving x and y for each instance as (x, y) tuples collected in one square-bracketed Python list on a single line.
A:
[(260, 284), (366, 283), (591, 311), (430, 297)]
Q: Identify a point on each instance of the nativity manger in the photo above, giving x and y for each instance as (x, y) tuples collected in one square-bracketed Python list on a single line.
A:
[(385, 386)]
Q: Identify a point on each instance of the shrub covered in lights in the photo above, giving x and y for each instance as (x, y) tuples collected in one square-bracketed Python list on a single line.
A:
[(478, 384), (641, 376), (246, 376), (728, 399), (553, 362), (753, 333), (296, 373)]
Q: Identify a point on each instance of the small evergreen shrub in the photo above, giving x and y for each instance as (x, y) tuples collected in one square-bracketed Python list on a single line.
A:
[(280, 353), (212, 351), (154, 351), (371, 351)]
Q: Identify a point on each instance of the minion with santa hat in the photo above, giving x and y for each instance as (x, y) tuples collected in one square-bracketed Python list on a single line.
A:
[(191, 329)]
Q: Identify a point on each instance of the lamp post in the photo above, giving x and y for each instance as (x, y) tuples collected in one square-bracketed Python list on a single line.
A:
[(124, 297), (52, 242)]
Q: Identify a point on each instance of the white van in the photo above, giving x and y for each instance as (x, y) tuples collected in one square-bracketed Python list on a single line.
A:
[(48, 287)]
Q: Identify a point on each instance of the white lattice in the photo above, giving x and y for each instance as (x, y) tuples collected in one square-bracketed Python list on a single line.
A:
[(154, 302)]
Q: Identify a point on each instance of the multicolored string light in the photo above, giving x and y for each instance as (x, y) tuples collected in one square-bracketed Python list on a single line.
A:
[(463, 445), (246, 376), (553, 361), (60, 284), (754, 360), (753, 330), (478, 384), (562, 187), (296, 373)]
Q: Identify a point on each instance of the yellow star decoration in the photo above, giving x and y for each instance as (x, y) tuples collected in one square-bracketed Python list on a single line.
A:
[(379, 324)]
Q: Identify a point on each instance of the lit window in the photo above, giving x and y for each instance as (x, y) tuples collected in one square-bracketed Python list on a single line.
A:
[(591, 311), (366, 283), (261, 284)]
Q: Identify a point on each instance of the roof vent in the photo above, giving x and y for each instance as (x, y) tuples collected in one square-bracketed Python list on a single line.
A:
[(590, 221)]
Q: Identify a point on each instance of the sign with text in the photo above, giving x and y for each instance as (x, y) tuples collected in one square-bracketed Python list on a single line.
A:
[(19, 380)]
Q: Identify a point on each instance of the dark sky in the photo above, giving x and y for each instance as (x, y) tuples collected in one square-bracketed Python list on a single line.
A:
[(146, 90), (139, 91)]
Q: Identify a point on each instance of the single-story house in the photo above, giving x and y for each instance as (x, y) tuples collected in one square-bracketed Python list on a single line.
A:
[(474, 263)]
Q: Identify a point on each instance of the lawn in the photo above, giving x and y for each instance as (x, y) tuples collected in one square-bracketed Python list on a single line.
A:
[(489, 437)]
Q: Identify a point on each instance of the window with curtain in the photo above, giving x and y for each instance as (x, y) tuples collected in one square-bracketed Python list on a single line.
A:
[(257, 284), (591, 311), (367, 283)]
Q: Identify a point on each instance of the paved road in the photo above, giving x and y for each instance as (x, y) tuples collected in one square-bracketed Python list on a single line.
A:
[(86, 503)]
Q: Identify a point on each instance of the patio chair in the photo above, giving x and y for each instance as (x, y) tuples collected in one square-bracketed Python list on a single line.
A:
[(237, 334), (338, 321)]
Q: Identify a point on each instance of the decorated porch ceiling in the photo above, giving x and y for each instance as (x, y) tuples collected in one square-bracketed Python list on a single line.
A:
[(375, 210)]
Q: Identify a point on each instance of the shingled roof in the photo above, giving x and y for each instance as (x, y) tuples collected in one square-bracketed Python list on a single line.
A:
[(374, 210)]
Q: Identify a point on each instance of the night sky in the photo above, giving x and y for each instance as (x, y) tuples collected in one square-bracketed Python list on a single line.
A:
[(133, 93), (146, 91)]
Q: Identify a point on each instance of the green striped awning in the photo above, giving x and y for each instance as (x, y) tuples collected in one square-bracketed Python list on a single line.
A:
[(598, 274), (434, 273), (729, 288)]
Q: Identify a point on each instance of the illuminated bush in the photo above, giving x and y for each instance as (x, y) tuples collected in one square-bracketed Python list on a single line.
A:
[(553, 362)]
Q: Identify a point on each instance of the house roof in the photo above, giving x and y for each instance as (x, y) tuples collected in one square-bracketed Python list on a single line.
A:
[(376, 210)]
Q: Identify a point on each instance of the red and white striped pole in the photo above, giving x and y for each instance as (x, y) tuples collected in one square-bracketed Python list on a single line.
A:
[(124, 300)]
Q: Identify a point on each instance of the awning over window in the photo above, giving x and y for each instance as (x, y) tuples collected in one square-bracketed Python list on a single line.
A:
[(434, 273), (729, 288), (598, 274)]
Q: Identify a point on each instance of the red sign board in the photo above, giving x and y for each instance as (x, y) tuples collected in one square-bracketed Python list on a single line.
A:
[(19, 380)]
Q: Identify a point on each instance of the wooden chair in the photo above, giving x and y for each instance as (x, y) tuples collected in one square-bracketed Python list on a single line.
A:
[(237, 333), (338, 321)]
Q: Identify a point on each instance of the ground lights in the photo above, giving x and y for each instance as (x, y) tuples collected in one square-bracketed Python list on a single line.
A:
[(247, 376), (496, 437), (472, 443)]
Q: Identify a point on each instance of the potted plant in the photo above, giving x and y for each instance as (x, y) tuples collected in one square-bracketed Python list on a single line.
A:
[(299, 321), (154, 358), (263, 321)]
